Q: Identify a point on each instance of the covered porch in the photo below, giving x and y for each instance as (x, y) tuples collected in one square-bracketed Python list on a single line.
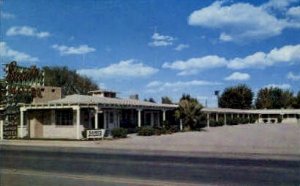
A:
[(70, 120)]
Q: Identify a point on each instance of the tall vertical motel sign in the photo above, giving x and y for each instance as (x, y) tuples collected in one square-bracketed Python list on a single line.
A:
[(20, 87)]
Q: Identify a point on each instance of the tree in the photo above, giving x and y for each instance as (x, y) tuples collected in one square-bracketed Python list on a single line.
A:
[(166, 100), (274, 98), (150, 100), (68, 80), (296, 101), (189, 111), (263, 99), (237, 97)]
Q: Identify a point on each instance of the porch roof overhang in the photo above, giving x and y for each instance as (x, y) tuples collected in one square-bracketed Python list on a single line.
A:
[(254, 111), (85, 101)]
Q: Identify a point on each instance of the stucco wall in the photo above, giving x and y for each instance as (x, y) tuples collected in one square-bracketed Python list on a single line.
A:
[(55, 131), (284, 120), (48, 94), (42, 125)]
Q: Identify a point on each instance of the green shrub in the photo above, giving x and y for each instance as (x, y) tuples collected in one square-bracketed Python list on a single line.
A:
[(200, 124), (214, 123), (174, 128), (159, 130), (83, 133), (243, 120), (252, 119), (233, 121), (146, 131), (119, 133), (265, 120), (279, 119), (132, 130), (273, 120), (165, 124)]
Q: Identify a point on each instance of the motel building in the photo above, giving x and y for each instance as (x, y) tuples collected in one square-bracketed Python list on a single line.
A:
[(51, 116), (54, 117), (262, 116)]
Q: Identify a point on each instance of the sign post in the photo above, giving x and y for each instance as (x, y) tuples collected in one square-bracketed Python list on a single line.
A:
[(19, 86), (1, 129)]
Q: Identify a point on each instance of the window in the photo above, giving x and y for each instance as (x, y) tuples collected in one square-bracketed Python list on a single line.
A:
[(64, 117)]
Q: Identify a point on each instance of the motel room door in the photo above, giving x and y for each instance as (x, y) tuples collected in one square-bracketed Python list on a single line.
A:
[(111, 119)]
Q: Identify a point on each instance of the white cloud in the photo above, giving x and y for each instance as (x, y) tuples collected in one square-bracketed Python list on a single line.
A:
[(237, 76), (285, 54), (278, 4), (159, 40), (240, 21), (155, 86), (257, 60), (181, 47), (282, 86), (294, 12), (193, 65), (26, 31), (128, 68), (10, 54), (225, 37), (293, 76), (65, 50), (6, 15)]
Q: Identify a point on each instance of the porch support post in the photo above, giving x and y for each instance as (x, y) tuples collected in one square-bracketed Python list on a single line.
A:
[(1, 129), (207, 119), (181, 125), (231, 115), (78, 123), (96, 117), (104, 118), (217, 117), (225, 122), (139, 117), (21, 122), (164, 115)]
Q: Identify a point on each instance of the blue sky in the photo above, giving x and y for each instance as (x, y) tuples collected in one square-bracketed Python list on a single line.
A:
[(159, 48)]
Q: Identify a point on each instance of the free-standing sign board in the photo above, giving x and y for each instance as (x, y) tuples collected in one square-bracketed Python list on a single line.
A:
[(97, 133)]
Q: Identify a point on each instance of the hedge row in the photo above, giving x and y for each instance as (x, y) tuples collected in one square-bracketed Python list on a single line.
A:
[(229, 121), (150, 131)]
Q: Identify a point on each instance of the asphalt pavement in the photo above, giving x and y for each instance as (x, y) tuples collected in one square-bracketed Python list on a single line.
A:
[(63, 167)]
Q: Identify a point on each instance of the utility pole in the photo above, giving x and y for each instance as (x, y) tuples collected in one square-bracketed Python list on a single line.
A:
[(217, 93)]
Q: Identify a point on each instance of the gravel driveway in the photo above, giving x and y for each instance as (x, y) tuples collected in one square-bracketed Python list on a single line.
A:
[(250, 138)]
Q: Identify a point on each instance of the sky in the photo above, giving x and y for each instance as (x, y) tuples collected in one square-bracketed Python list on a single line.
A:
[(158, 48)]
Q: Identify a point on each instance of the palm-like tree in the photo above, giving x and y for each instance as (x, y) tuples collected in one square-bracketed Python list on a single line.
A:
[(189, 111)]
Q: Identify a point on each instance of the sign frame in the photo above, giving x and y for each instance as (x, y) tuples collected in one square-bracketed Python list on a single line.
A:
[(95, 133)]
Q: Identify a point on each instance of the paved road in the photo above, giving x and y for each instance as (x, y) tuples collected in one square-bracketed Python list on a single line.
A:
[(38, 167)]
